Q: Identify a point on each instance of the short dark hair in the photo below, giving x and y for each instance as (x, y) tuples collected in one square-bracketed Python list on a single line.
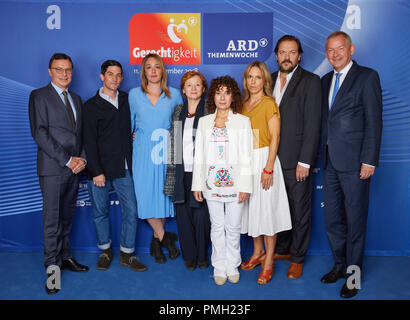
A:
[(60, 56), (231, 86), (110, 63), (288, 37)]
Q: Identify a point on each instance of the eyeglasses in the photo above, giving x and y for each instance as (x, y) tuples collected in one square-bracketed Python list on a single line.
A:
[(62, 71), (291, 53)]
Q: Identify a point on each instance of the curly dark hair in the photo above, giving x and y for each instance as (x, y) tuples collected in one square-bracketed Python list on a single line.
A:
[(231, 86)]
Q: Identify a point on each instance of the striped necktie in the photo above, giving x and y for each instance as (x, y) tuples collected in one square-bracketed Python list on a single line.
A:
[(69, 109)]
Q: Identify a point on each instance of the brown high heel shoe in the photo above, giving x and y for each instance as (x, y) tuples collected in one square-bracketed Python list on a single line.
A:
[(252, 263), (265, 276)]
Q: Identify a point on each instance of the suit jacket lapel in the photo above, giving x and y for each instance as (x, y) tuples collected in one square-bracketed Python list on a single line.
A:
[(78, 111), (274, 77), (348, 81), (60, 103), (57, 99), (292, 84), (326, 91)]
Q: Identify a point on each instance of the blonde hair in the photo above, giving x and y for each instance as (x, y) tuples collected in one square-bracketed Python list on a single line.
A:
[(144, 80), (267, 80)]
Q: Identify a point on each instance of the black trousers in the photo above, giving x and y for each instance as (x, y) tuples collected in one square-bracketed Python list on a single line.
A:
[(193, 225), (59, 200), (296, 241), (346, 199)]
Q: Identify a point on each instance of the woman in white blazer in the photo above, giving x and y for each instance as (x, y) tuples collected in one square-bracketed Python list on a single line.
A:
[(223, 173)]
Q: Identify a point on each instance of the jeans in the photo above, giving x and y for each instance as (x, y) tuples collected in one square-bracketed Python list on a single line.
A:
[(124, 187)]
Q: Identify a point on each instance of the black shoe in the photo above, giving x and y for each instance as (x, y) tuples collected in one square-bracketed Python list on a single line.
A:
[(190, 264), (156, 252), (105, 259), (332, 276), (129, 260), (168, 241), (348, 293), (72, 265), (52, 291), (203, 264)]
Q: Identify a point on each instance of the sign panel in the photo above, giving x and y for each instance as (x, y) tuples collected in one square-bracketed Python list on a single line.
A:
[(237, 38), (176, 37)]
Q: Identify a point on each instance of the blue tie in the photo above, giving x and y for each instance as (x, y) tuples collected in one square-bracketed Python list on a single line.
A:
[(335, 89)]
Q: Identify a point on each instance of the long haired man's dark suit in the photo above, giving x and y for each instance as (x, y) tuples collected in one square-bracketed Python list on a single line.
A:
[(351, 136), (57, 140), (300, 114)]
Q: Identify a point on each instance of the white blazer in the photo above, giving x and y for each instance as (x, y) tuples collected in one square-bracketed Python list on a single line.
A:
[(240, 151)]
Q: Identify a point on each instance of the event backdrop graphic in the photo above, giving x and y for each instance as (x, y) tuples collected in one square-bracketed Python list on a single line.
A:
[(216, 37)]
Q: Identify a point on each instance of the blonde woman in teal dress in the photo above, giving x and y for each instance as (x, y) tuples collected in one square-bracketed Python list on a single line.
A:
[(151, 107)]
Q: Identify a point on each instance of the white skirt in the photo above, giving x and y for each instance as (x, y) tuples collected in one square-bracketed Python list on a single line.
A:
[(267, 211)]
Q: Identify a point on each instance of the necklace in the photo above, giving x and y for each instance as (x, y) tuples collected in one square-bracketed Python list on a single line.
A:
[(190, 115)]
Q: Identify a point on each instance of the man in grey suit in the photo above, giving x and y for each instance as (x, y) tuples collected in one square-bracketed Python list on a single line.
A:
[(298, 94), (55, 121)]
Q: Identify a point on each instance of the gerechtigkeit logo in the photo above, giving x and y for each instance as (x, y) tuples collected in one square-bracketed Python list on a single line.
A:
[(172, 27), (176, 37), (237, 38)]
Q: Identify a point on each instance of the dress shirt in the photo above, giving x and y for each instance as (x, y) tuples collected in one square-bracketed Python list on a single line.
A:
[(278, 95), (108, 98), (60, 94), (344, 72)]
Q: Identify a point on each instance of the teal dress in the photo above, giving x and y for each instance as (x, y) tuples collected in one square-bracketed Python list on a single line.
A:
[(151, 126)]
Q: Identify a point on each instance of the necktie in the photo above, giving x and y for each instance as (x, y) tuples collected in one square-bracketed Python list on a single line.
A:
[(69, 109), (335, 89)]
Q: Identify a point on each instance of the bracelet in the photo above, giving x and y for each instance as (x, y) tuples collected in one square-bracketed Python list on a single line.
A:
[(267, 172)]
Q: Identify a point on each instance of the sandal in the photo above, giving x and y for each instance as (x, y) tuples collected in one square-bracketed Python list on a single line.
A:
[(265, 276), (252, 263)]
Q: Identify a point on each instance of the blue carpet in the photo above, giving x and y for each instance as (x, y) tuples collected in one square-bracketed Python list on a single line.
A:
[(22, 277)]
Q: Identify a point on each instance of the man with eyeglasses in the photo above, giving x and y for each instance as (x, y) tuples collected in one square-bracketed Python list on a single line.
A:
[(56, 126), (351, 139), (298, 94)]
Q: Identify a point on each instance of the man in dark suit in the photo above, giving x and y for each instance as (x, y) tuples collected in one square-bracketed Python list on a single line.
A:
[(55, 121), (351, 138), (108, 146), (298, 94)]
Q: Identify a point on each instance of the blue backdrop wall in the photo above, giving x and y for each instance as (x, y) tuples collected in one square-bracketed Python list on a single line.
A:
[(91, 32)]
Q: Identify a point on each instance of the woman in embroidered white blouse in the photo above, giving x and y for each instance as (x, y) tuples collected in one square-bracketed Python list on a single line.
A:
[(223, 173)]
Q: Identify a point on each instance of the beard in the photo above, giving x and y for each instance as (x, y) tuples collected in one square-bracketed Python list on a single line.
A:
[(289, 69)]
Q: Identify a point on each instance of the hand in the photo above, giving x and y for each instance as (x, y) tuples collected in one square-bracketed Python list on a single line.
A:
[(366, 172), (301, 173), (266, 180), (198, 196), (243, 196), (99, 180), (80, 166), (76, 165)]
